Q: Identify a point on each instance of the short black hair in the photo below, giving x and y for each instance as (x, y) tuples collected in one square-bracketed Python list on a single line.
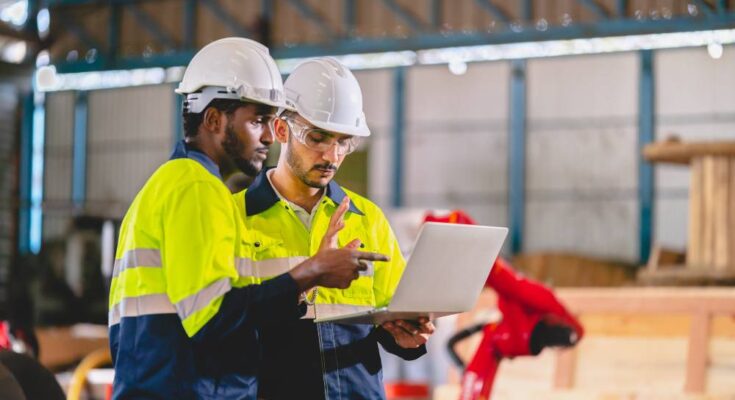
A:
[(193, 120)]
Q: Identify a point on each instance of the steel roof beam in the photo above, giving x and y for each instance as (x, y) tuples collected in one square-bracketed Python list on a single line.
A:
[(149, 24), (406, 16), (494, 11), (312, 15)]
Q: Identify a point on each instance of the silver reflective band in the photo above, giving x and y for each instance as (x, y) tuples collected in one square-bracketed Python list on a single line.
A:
[(139, 306), (267, 268), (202, 298), (150, 258), (328, 310), (273, 267)]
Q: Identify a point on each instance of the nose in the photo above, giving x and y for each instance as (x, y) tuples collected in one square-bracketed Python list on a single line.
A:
[(332, 154), (267, 136)]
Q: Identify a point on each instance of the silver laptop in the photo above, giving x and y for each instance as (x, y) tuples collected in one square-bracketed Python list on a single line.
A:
[(444, 275)]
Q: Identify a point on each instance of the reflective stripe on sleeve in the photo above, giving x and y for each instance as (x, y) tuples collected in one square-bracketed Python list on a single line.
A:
[(150, 258), (140, 306), (202, 298)]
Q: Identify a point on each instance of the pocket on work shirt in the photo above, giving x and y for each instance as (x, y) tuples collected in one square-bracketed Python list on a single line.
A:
[(266, 257)]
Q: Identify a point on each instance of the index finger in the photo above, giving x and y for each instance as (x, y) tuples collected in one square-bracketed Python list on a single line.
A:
[(364, 255), (340, 212)]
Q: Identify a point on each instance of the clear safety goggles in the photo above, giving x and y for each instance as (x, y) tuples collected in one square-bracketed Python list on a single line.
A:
[(320, 140)]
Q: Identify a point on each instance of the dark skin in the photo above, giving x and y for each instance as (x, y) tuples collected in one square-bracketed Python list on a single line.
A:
[(240, 140), (301, 176)]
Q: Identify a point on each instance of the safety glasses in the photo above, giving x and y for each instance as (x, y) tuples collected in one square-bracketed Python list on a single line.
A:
[(320, 140)]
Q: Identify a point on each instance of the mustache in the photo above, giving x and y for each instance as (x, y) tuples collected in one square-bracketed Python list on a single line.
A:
[(325, 166)]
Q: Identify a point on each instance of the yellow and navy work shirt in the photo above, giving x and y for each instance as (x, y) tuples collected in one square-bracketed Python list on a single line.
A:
[(184, 303), (313, 361)]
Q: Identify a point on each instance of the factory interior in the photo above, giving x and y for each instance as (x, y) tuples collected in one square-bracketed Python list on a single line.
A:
[(600, 133)]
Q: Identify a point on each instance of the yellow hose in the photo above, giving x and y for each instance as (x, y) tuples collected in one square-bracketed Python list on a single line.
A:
[(93, 360)]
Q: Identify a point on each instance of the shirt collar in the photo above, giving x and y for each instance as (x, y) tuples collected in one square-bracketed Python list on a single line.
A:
[(182, 151), (261, 196)]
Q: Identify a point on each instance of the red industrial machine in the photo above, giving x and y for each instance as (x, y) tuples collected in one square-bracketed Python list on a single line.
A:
[(532, 319), (17, 339)]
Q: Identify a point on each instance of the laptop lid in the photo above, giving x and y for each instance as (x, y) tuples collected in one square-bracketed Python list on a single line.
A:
[(447, 268)]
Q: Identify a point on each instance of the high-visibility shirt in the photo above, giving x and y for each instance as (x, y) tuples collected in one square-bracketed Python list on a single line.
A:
[(312, 361), (184, 303)]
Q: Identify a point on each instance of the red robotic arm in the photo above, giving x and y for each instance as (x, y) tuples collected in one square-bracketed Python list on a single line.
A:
[(533, 318)]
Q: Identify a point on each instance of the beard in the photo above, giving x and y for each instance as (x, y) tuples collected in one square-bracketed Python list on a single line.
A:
[(301, 171), (234, 148)]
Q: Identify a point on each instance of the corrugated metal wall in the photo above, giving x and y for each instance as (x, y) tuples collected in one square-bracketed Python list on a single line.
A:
[(130, 134), (456, 140), (377, 91), (582, 156), (57, 180)]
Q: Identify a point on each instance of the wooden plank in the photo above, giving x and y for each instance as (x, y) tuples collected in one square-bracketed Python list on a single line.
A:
[(669, 325), (662, 257), (720, 214), (708, 205), (649, 300), (570, 270), (663, 325), (677, 275), (565, 369), (731, 223), (611, 368), (696, 189), (636, 338), (62, 346), (723, 326), (698, 353), (682, 153), (634, 300)]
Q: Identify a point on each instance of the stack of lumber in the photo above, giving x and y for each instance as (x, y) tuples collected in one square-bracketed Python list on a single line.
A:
[(711, 237), (639, 343), (572, 270)]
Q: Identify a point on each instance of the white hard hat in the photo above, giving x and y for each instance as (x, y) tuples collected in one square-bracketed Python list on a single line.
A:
[(325, 93), (231, 68)]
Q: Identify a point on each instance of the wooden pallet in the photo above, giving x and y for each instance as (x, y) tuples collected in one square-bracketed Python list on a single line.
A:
[(711, 241)]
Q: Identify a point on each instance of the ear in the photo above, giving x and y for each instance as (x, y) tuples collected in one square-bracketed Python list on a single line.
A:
[(212, 120), (281, 132)]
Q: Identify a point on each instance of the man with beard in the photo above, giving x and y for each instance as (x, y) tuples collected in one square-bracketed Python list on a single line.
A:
[(184, 301), (287, 209)]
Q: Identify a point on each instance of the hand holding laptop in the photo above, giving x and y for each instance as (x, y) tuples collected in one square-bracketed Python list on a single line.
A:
[(444, 275), (410, 334)]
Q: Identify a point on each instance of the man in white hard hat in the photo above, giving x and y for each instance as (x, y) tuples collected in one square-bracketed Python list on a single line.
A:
[(185, 304), (287, 209)]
